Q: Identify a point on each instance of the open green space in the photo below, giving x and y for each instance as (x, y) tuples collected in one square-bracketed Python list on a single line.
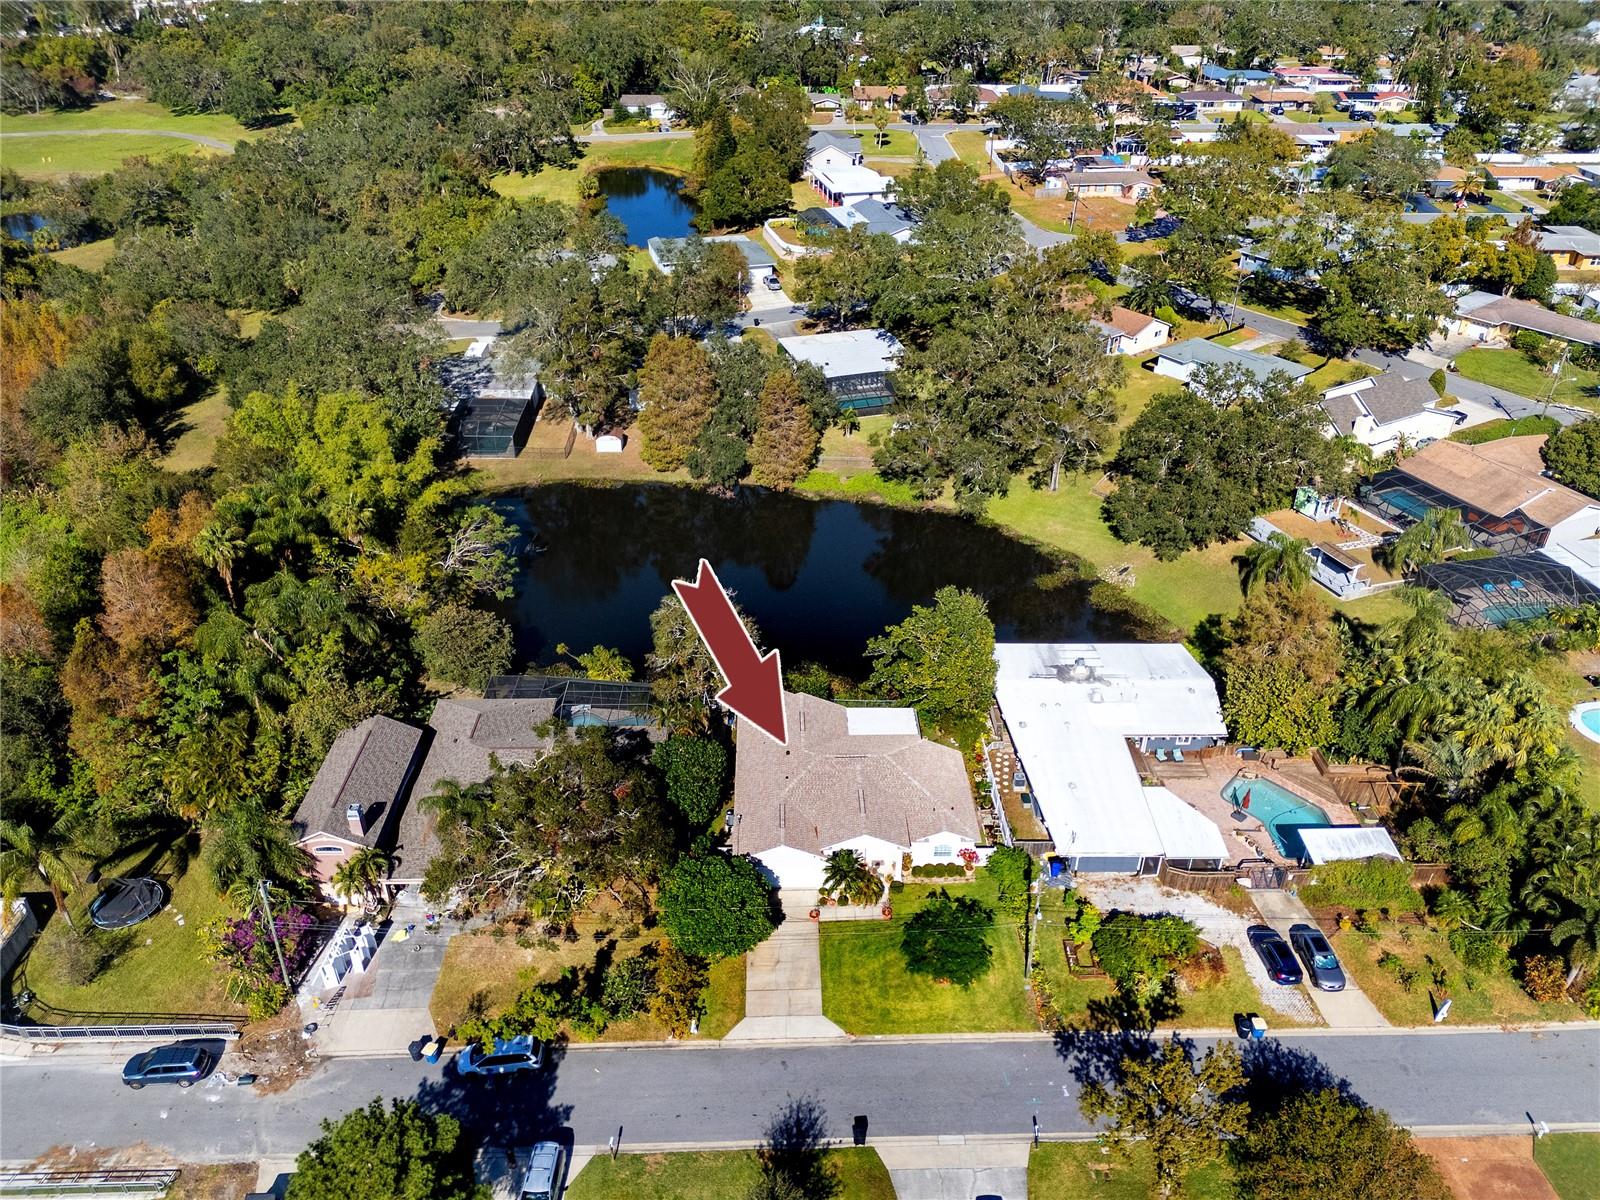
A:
[(716, 1175), (1491, 431), (199, 426), (1511, 369), (1571, 1162), (1477, 997), (163, 968), (91, 256), (1080, 1170), (673, 155), (896, 143), (57, 157), (866, 988), (125, 114)]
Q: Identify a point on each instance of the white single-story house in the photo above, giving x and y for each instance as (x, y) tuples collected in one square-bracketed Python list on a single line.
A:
[(861, 779), (856, 363), (758, 260), (1182, 359), (1073, 710), (878, 216), (1210, 102), (826, 148), (1530, 177), (1117, 183), (1381, 410), (1129, 332), (1490, 317), (841, 182), (656, 106), (1189, 56)]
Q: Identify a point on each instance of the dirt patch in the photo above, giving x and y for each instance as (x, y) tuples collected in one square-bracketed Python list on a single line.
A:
[(274, 1051), (1489, 1168), (220, 1181)]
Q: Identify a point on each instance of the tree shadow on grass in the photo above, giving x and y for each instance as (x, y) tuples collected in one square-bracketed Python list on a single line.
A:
[(1122, 1024), (793, 1154)]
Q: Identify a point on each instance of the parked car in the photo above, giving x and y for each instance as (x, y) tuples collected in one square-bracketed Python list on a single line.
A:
[(508, 1055), (543, 1176), (1275, 955), (774, 284), (1322, 964), (181, 1064)]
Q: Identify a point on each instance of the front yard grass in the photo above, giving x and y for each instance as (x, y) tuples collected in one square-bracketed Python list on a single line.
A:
[(673, 155), (483, 973), (89, 256), (1476, 997), (1491, 431), (714, 1175), (1510, 369), (164, 969), (1571, 1162), (1081, 1170), (866, 988), (897, 143)]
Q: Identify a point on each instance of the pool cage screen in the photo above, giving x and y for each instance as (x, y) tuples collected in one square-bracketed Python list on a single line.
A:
[(581, 701), (494, 428), (863, 394), (1405, 500), (1490, 592)]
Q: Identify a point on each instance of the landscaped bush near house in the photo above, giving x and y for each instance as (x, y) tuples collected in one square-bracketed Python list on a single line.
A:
[(1437, 382), (244, 946), (1361, 884), (1527, 341), (938, 871), (1010, 869), (1139, 952), (1479, 951), (696, 770), (1544, 977)]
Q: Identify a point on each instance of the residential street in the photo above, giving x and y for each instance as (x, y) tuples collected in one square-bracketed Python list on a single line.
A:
[(687, 1095)]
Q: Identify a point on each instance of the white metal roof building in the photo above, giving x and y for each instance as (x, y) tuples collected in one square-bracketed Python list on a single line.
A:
[(855, 362), (1335, 843), (1071, 710)]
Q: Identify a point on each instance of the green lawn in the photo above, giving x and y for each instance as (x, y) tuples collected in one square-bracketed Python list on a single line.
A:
[(1510, 369), (59, 157), (674, 155), (125, 114), (1491, 431), (200, 425), (866, 988), (163, 970), (1234, 336), (971, 146), (715, 1175), (91, 256), (897, 143), (1571, 1162), (1061, 1171)]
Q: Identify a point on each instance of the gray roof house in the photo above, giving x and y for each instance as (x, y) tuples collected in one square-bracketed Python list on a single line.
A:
[(850, 778), (1488, 315), (878, 216), (1382, 410), (1182, 359), (845, 143), (359, 794)]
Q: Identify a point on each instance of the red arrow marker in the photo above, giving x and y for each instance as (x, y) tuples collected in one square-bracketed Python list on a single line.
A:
[(755, 681)]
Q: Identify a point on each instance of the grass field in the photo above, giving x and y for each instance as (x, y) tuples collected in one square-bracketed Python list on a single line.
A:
[(1081, 1170), (163, 970), (482, 972), (201, 424), (970, 145), (897, 143), (716, 1175), (674, 155), (59, 157), (1491, 431), (125, 114), (55, 157), (1479, 998), (1510, 369), (91, 256), (866, 988), (1571, 1162)]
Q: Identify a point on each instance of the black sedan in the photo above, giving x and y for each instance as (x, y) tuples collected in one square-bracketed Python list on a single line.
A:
[(1275, 955)]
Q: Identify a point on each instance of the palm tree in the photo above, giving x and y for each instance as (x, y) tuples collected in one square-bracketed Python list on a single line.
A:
[(362, 874), (1439, 534), (847, 876), (1279, 559), (1152, 285), (219, 546), (248, 843), (37, 852)]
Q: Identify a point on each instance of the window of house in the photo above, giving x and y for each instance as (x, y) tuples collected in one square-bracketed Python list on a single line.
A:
[(943, 851), (1183, 741), (328, 850)]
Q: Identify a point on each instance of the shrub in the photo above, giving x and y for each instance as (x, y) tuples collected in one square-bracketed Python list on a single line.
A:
[(1082, 918), (1010, 869), (628, 986), (1527, 341), (1437, 382), (1479, 951), (1203, 968), (1138, 951), (464, 645), (948, 938), (679, 997), (938, 871), (1544, 977), (1379, 883), (696, 771)]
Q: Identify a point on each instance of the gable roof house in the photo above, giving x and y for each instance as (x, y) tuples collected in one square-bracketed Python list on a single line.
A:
[(357, 798), (1074, 711), (656, 106), (1211, 101), (1288, 99), (840, 149), (862, 779), (1490, 317), (1182, 359), (1233, 78), (1129, 332), (1573, 247), (1526, 177), (1381, 410)]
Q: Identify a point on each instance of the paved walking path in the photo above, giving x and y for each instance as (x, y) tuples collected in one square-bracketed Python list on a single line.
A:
[(1349, 1009), (202, 139), (783, 981)]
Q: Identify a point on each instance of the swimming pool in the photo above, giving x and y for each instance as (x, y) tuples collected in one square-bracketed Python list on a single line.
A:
[(1585, 719), (1281, 811)]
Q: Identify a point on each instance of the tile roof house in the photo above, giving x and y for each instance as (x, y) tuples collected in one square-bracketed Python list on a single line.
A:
[(862, 779), (1490, 317), (359, 793), (1381, 410), (1526, 177)]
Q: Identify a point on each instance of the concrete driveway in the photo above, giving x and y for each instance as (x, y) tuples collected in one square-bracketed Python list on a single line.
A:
[(956, 1168), (385, 1008), (783, 981), (1349, 1009)]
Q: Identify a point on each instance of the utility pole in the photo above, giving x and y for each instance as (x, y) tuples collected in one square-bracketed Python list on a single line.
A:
[(1555, 380), (272, 932)]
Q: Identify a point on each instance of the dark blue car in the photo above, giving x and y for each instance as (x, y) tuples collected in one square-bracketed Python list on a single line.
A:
[(1275, 955)]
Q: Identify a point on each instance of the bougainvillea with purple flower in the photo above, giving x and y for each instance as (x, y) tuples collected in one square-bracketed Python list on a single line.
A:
[(244, 946)]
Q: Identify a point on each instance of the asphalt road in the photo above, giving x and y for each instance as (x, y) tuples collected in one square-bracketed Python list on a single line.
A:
[(687, 1095)]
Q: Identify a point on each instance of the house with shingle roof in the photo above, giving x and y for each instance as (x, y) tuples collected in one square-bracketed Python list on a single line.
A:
[(861, 779), (1182, 359), (358, 796), (1490, 317), (1381, 410), (1129, 332)]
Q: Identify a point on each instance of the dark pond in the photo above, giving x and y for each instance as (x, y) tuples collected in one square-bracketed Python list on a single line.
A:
[(22, 225), (819, 577), (647, 203)]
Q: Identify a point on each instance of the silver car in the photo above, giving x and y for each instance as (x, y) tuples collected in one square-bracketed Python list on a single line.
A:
[(543, 1176), (1322, 964)]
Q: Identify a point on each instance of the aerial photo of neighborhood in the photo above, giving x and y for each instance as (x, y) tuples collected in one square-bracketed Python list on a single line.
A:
[(800, 599)]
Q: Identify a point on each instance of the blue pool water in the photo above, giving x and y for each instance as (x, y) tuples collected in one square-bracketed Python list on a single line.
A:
[(1282, 812), (1591, 720)]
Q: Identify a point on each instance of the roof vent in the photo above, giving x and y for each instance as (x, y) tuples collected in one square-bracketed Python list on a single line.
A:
[(1080, 669), (357, 817)]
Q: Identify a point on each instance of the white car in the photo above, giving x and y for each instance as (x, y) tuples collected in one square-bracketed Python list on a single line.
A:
[(542, 1179)]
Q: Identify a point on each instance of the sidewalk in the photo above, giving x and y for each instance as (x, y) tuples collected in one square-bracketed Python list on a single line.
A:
[(783, 981)]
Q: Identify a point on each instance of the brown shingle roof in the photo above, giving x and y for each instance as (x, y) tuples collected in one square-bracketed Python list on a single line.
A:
[(1525, 314), (1497, 478), (828, 785)]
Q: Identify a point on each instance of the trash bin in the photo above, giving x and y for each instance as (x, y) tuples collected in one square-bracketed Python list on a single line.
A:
[(433, 1050)]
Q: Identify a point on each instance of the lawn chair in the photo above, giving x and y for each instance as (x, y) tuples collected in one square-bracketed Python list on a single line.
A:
[(1161, 756), (1177, 755)]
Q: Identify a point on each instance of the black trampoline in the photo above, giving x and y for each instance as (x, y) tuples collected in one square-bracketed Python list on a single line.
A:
[(126, 902)]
